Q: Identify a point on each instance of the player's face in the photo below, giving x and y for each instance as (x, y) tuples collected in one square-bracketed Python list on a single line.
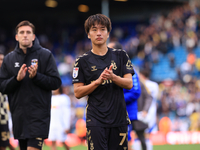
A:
[(25, 36), (1, 59), (98, 34)]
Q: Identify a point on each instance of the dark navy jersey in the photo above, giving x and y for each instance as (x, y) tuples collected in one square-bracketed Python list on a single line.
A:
[(106, 106)]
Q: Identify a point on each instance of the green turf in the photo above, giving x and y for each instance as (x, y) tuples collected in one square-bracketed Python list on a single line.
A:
[(177, 147), (157, 147), (80, 147)]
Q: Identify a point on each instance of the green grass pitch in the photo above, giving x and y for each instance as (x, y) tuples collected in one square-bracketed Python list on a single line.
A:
[(157, 147)]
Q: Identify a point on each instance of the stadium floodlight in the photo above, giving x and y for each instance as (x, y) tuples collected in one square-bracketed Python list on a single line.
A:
[(51, 3), (83, 8)]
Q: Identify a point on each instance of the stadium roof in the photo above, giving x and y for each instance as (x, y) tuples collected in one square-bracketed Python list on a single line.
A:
[(13, 11), (39, 5)]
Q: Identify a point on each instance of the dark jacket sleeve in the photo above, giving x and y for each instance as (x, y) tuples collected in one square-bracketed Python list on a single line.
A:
[(8, 83), (50, 80)]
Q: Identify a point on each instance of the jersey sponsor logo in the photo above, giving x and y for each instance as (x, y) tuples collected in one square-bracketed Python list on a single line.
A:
[(75, 72), (105, 82), (17, 64), (93, 68), (114, 65), (34, 61)]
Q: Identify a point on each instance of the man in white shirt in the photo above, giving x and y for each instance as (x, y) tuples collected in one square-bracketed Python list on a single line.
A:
[(60, 118), (153, 89)]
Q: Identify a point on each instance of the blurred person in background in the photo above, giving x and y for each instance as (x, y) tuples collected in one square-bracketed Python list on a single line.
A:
[(115, 45), (140, 124), (153, 89), (60, 118), (27, 76), (102, 73), (1, 57), (4, 119)]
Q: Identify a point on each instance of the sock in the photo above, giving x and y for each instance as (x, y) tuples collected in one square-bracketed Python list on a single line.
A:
[(137, 144), (149, 144)]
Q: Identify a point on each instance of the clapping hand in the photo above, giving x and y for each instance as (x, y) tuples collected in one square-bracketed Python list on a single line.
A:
[(32, 71), (22, 72)]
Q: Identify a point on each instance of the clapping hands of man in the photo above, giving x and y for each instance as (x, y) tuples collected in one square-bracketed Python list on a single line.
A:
[(22, 72)]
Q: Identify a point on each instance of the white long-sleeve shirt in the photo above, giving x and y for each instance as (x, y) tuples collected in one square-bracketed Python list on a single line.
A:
[(60, 112)]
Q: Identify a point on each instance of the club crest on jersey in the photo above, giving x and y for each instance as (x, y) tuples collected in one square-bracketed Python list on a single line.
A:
[(34, 61), (114, 65), (75, 72)]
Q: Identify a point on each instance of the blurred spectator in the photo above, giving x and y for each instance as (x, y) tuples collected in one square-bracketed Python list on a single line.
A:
[(65, 67), (171, 60), (60, 118), (191, 59), (185, 68), (153, 89)]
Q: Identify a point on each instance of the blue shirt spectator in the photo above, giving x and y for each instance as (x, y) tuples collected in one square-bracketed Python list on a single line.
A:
[(131, 97)]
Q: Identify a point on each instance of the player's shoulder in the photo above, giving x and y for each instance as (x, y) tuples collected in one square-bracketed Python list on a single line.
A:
[(82, 57), (10, 55), (44, 51), (119, 52)]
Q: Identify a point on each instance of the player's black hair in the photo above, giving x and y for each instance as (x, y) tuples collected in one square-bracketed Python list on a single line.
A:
[(99, 19)]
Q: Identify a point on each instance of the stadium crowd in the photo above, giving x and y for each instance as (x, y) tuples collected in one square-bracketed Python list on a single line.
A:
[(178, 99)]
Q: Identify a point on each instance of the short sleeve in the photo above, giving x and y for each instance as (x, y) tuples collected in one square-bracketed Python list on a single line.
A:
[(78, 74), (127, 64)]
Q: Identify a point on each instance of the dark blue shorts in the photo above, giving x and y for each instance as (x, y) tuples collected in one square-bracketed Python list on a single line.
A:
[(107, 138), (32, 142)]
